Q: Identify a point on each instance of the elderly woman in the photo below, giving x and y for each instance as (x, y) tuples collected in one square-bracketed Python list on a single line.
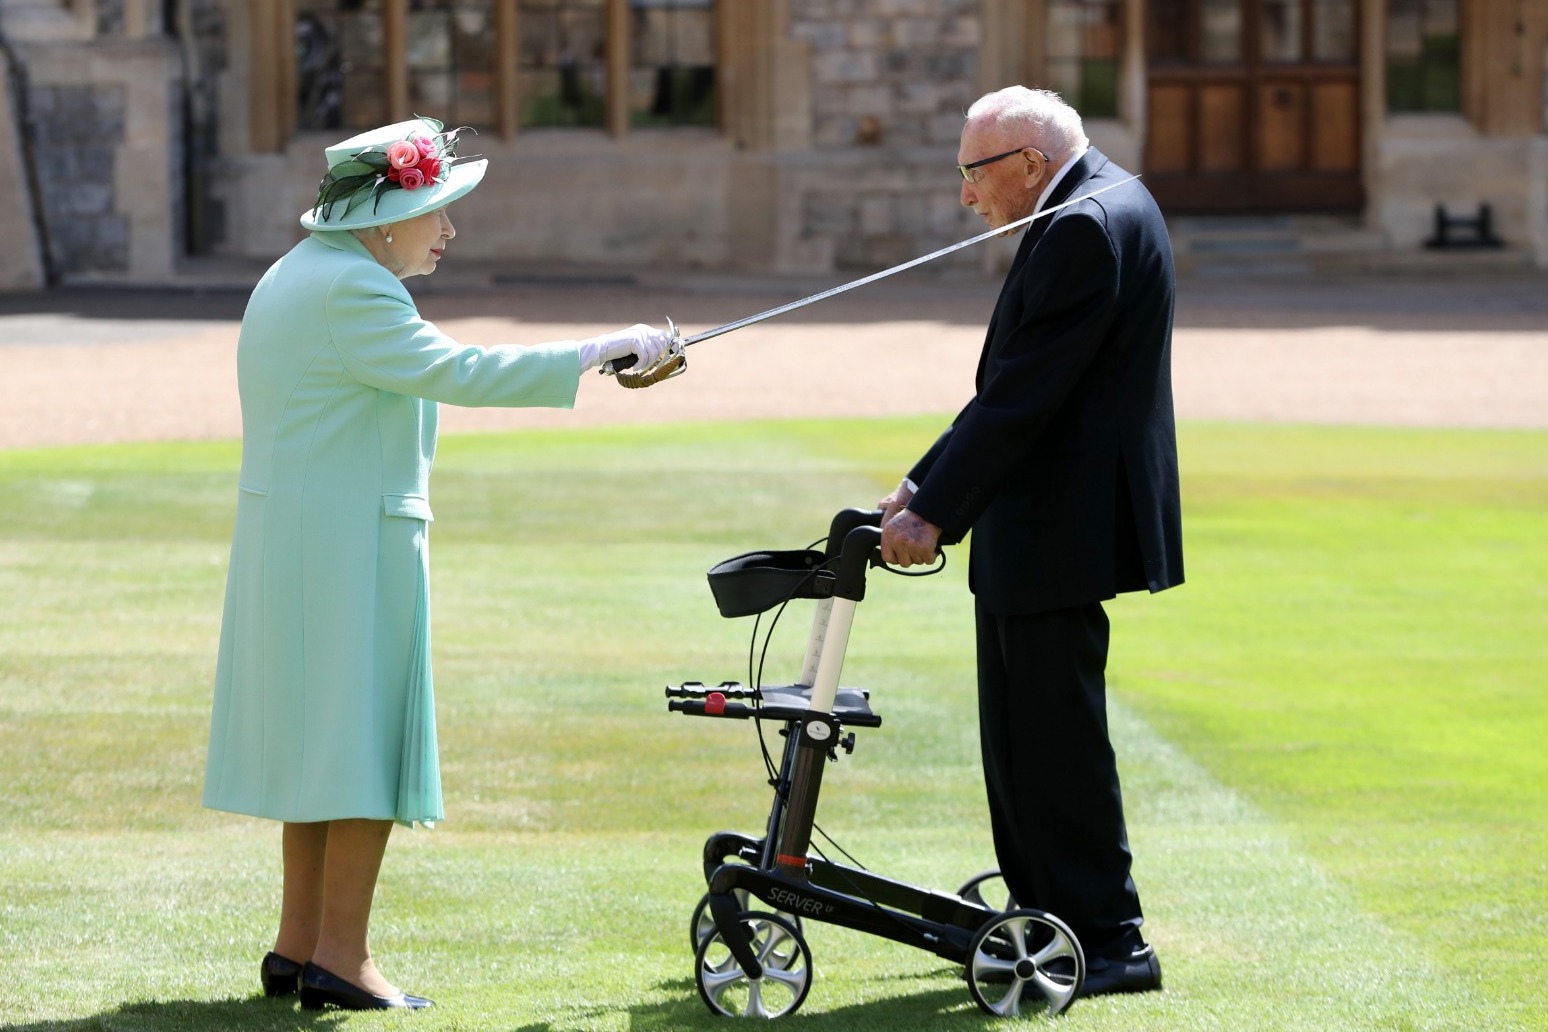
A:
[(323, 713)]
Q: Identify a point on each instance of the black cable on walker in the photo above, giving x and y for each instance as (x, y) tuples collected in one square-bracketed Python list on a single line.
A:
[(757, 963), (756, 681)]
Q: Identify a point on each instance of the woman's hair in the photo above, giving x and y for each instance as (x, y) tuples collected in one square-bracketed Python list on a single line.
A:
[(1042, 114)]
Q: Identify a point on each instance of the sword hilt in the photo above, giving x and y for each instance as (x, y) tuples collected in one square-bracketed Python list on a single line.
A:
[(670, 364), (613, 365)]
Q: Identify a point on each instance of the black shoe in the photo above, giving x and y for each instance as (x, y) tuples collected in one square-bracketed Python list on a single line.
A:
[(279, 975), (320, 987), (1138, 972)]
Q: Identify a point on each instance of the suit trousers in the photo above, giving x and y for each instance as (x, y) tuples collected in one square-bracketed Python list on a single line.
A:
[(1055, 807)]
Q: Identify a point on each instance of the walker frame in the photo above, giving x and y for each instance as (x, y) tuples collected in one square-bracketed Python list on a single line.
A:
[(756, 963)]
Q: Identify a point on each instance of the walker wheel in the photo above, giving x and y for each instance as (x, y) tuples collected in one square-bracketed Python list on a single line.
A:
[(787, 970), (988, 889), (702, 923), (1025, 962)]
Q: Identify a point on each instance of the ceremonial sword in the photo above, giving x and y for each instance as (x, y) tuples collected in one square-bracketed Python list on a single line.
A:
[(673, 361)]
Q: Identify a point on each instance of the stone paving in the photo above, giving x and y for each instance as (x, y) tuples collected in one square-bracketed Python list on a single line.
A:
[(88, 365)]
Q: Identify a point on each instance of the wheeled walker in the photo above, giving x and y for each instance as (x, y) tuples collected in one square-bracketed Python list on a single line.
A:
[(752, 962)]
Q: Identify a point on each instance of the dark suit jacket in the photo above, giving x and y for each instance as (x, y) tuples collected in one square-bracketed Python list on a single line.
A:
[(1064, 465)]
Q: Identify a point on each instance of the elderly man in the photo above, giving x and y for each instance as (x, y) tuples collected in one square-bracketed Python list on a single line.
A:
[(1064, 466)]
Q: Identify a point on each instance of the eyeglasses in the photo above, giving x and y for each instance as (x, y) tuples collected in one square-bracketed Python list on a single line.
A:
[(971, 176)]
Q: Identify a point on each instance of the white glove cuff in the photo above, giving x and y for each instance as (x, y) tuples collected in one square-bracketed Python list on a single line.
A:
[(592, 351)]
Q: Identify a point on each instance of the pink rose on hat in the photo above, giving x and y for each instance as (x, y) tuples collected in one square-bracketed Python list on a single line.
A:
[(408, 178), (403, 154), (371, 176)]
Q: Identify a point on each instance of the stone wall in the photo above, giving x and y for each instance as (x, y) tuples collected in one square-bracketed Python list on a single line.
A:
[(80, 128), (1428, 160), (889, 83), (21, 262), (860, 175), (1537, 199), (894, 72), (145, 146), (107, 120)]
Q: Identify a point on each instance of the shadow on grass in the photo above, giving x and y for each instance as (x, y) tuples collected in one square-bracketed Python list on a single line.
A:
[(252, 1014), (933, 1008)]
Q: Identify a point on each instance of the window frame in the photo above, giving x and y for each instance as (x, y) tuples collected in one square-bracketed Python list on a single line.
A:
[(1079, 62), (1459, 101), (1014, 50), (273, 118)]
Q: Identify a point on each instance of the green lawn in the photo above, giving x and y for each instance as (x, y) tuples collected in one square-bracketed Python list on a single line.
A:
[(1331, 737)]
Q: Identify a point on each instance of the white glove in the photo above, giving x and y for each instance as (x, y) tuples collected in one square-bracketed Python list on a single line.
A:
[(645, 342)]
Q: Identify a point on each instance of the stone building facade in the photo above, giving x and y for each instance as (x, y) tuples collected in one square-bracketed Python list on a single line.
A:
[(769, 136)]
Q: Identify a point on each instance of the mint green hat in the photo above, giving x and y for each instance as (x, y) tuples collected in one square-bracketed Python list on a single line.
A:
[(391, 174)]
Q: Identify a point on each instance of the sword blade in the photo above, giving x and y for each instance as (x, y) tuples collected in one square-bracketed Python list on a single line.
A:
[(873, 277)]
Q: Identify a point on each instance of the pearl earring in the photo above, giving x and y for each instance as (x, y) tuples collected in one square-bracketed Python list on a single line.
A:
[(389, 238)]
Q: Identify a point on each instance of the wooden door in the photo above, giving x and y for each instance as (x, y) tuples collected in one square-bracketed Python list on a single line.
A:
[(1254, 105)]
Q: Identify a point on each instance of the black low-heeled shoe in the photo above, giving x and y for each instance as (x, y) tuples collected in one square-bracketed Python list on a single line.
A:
[(320, 987), (280, 976)]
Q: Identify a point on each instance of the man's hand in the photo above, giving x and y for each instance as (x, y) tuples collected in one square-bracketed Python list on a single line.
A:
[(908, 538), (896, 501)]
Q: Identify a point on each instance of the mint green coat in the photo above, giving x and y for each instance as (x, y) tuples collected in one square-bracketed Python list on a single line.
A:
[(324, 706)]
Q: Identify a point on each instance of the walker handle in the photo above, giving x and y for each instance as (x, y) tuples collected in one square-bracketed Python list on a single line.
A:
[(846, 520), (707, 708)]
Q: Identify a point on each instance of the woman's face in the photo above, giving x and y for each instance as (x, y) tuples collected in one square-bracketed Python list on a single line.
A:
[(414, 246)]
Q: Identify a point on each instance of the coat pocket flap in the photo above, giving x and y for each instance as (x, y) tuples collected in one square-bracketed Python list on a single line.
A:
[(414, 507)]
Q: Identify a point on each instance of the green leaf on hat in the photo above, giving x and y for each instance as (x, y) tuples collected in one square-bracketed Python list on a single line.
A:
[(360, 192), (355, 166), (381, 188), (365, 172)]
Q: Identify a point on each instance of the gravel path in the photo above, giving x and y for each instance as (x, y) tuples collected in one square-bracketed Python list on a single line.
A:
[(97, 365)]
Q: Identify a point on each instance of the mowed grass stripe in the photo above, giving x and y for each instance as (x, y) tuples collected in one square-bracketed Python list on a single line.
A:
[(1253, 932), (574, 930), (1321, 846)]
